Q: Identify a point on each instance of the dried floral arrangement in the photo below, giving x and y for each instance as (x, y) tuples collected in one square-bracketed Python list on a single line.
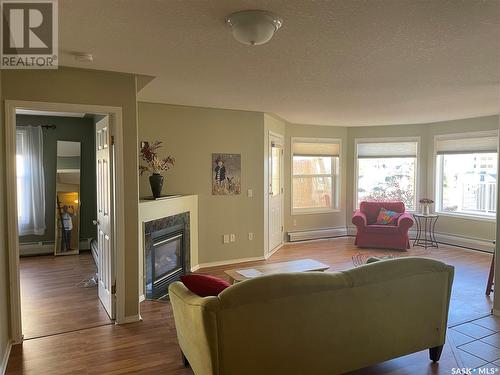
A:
[(153, 163)]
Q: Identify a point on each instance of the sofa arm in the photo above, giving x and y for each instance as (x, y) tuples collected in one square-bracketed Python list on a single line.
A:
[(405, 222), (196, 325), (359, 219)]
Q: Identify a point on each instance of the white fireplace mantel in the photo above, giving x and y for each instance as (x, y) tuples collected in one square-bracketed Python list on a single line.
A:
[(157, 209)]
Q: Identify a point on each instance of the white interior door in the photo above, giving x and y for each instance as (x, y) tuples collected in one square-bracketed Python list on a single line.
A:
[(275, 192), (104, 222)]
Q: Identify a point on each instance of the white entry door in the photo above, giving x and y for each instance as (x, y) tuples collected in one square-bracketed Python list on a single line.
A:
[(275, 192), (104, 222)]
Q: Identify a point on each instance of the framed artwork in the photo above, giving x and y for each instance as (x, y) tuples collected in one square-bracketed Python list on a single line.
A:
[(226, 174)]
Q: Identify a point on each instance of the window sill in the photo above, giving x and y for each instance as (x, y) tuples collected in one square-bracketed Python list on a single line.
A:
[(489, 219), (313, 211)]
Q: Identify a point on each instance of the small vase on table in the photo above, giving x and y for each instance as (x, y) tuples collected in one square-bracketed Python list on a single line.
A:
[(426, 204)]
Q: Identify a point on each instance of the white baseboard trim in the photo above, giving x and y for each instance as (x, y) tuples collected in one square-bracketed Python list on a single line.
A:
[(30, 249), (131, 319), (468, 242), (351, 231), (317, 234), (142, 298), (225, 262), (268, 255), (5, 359), (450, 239)]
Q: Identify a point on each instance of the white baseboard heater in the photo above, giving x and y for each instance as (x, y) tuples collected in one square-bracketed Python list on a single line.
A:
[(317, 234), (442, 238), (46, 247)]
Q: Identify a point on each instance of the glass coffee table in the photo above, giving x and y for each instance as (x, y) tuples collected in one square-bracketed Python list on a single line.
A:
[(300, 265)]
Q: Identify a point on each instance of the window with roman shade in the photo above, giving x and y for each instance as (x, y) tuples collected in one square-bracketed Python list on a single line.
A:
[(387, 170), (315, 175), (466, 173)]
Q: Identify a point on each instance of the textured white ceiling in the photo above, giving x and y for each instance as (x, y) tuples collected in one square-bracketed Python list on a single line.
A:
[(346, 62)]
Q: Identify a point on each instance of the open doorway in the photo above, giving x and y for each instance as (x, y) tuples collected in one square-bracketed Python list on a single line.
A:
[(64, 188)]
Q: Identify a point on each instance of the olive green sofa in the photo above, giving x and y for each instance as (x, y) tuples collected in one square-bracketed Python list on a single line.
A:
[(316, 323)]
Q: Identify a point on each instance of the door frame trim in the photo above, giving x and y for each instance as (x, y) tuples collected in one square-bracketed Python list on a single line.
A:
[(115, 114), (268, 250)]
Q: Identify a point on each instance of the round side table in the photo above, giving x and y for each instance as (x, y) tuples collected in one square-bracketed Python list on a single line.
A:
[(425, 230)]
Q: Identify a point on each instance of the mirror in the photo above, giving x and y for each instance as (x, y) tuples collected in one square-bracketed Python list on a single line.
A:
[(67, 238)]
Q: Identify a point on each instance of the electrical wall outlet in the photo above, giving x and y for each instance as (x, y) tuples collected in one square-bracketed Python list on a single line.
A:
[(233, 237), (226, 238), (250, 236), (294, 222), (250, 193)]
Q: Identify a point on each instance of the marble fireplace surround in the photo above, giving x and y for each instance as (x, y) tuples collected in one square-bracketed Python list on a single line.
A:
[(163, 230), (150, 211)]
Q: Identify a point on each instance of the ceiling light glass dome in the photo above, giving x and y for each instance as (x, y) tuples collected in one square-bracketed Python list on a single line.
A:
[(253, 27)]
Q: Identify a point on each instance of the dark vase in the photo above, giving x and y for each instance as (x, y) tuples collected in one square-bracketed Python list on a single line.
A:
[(156, 182)]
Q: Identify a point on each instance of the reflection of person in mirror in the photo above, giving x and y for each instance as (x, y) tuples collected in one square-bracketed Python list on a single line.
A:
[(67, 226)]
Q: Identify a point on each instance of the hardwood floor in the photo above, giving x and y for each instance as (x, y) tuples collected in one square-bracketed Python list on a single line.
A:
[(51, 301), (150, 346)]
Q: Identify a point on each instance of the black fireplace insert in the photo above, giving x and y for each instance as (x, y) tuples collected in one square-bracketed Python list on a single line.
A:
[(167, 258)]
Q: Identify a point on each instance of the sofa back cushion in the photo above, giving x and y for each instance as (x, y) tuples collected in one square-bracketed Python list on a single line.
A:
[(371, 209)]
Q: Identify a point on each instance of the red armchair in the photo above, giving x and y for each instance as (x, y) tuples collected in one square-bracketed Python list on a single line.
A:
[(369, 234)]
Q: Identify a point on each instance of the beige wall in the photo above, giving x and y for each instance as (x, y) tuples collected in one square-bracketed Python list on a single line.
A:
[(191, 135), (4, 264), (324, 220), (472, 228), (92, 87)]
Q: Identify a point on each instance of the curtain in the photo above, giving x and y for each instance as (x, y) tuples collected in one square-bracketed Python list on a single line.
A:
[(30, 180)]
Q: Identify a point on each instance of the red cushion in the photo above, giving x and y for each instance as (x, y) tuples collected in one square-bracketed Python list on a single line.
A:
[(204, 285)]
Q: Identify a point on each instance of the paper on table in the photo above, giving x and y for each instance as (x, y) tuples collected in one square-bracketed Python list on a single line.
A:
[(251, 272)]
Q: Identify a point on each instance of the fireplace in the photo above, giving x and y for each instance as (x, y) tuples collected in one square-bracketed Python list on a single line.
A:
[(167, 253)]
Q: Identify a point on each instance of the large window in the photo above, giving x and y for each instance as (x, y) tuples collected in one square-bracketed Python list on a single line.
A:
[(466, 174), (387, 170), (315, 175)]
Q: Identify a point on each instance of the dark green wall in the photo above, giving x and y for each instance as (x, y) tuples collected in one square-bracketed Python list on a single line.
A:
[(67, 129)]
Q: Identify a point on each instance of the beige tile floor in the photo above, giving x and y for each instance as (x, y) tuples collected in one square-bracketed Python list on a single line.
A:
[(476, 344)]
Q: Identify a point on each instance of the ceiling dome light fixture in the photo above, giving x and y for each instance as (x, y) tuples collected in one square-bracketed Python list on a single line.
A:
[(253, 27)]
